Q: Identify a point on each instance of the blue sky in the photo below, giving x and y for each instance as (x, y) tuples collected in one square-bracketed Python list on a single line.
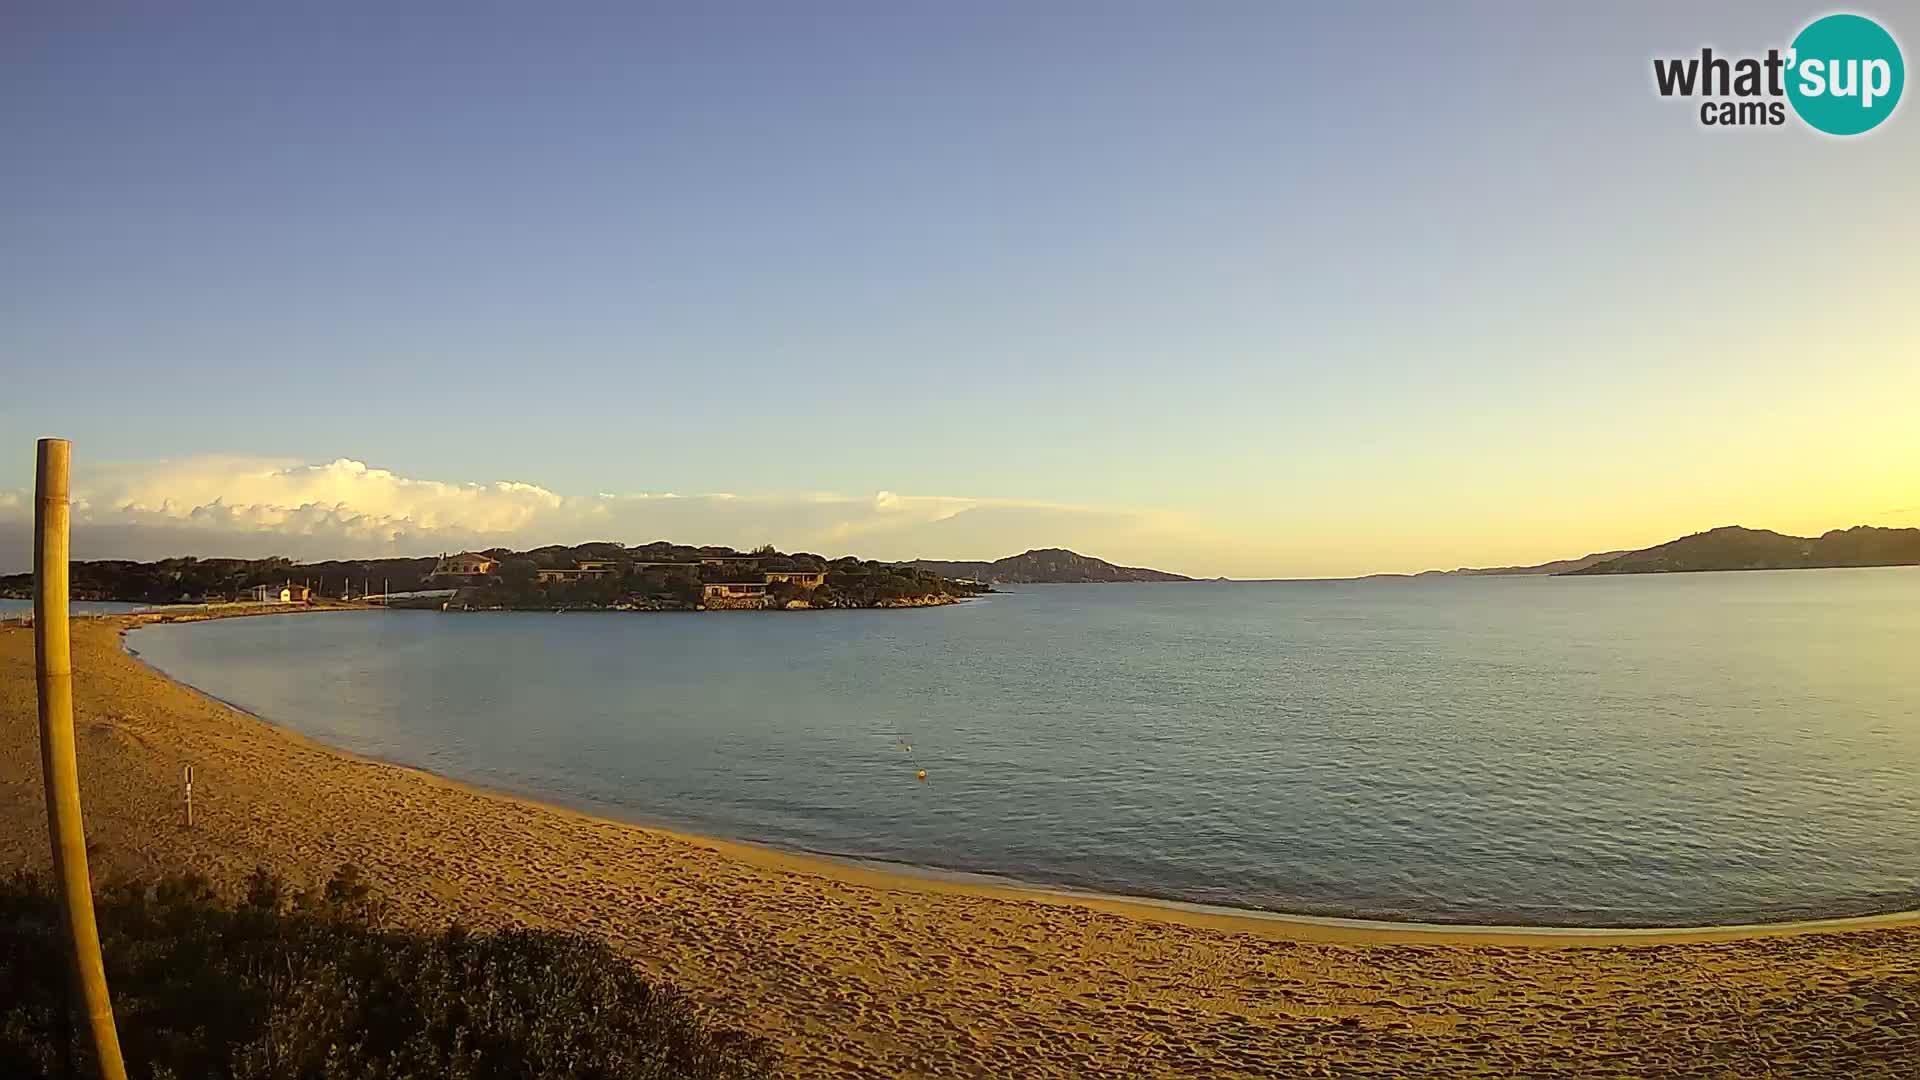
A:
[(1235, 289)]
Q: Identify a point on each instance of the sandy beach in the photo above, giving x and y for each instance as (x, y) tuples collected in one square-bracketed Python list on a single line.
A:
[(861, 972)]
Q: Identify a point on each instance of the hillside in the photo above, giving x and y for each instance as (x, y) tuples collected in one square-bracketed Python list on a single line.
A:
[(1732, 547), (1051, 566), (1558, 566)]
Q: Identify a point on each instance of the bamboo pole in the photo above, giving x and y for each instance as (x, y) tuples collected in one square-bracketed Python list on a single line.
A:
[(59, 769)]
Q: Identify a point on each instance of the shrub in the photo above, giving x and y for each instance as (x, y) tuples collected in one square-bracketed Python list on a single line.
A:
[(310, 987)]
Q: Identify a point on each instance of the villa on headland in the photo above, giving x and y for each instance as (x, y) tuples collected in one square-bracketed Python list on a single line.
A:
[(717, 591), (718, 595), (465, 564)]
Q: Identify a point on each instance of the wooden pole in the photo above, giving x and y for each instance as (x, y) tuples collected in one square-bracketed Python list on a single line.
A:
[(59, 768)]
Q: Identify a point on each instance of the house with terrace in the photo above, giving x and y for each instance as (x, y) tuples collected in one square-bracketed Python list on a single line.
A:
[(717, 595), (465, 564)]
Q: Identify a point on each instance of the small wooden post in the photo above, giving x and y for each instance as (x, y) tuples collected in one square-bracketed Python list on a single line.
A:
[(59, 766), (189, 776)]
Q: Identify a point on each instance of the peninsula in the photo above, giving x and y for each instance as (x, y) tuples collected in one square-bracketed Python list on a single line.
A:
[(658, 576), (1732, 547), (1729, 547)]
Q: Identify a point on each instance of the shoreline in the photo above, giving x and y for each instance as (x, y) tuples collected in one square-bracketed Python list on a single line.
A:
[(863, 972), (892, 874)]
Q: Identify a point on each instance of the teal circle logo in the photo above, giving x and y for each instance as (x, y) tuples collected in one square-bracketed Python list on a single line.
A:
[(1845, 74)]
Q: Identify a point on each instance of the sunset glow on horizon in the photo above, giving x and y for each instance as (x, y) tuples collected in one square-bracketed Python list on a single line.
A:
[(950, 287)]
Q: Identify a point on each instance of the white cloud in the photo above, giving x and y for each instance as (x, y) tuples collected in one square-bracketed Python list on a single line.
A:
[(238, 506), (341, 496)]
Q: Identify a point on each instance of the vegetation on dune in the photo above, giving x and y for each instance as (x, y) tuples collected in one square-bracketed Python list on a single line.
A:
[(311, 986)]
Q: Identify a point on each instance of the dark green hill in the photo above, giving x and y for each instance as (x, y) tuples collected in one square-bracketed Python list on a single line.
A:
[(1732, 547), (1053, 566), (1558, 566)]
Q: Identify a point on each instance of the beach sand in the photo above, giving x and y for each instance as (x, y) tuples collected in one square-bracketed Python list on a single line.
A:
[(858, 972)]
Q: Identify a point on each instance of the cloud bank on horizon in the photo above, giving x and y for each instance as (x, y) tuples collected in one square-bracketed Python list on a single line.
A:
[(252, 507), (222, 506)]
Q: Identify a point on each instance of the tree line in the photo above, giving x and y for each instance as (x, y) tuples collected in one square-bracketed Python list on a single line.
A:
[(659, 574)]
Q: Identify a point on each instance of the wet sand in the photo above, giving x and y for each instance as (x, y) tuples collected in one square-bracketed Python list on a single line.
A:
[(857, 971)]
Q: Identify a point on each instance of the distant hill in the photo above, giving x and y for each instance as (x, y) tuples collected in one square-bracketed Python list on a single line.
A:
[(1052, 566), (1732, 547), (1558, 566)]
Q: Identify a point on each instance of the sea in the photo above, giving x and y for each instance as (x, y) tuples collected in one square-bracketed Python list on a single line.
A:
[(1662, 750)]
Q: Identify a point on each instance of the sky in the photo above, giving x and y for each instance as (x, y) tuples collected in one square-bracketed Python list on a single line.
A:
[(1227, 289)]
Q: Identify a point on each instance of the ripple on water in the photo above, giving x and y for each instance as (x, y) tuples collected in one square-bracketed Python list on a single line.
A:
[(1719, 748)]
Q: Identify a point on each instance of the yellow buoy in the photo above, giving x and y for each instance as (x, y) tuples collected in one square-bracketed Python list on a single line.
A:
[(922, 774)]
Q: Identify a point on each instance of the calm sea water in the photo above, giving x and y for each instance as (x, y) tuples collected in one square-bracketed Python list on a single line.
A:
[(1648, 750)]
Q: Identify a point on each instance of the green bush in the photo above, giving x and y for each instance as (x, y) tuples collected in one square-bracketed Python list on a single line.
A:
[(311, 987)]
